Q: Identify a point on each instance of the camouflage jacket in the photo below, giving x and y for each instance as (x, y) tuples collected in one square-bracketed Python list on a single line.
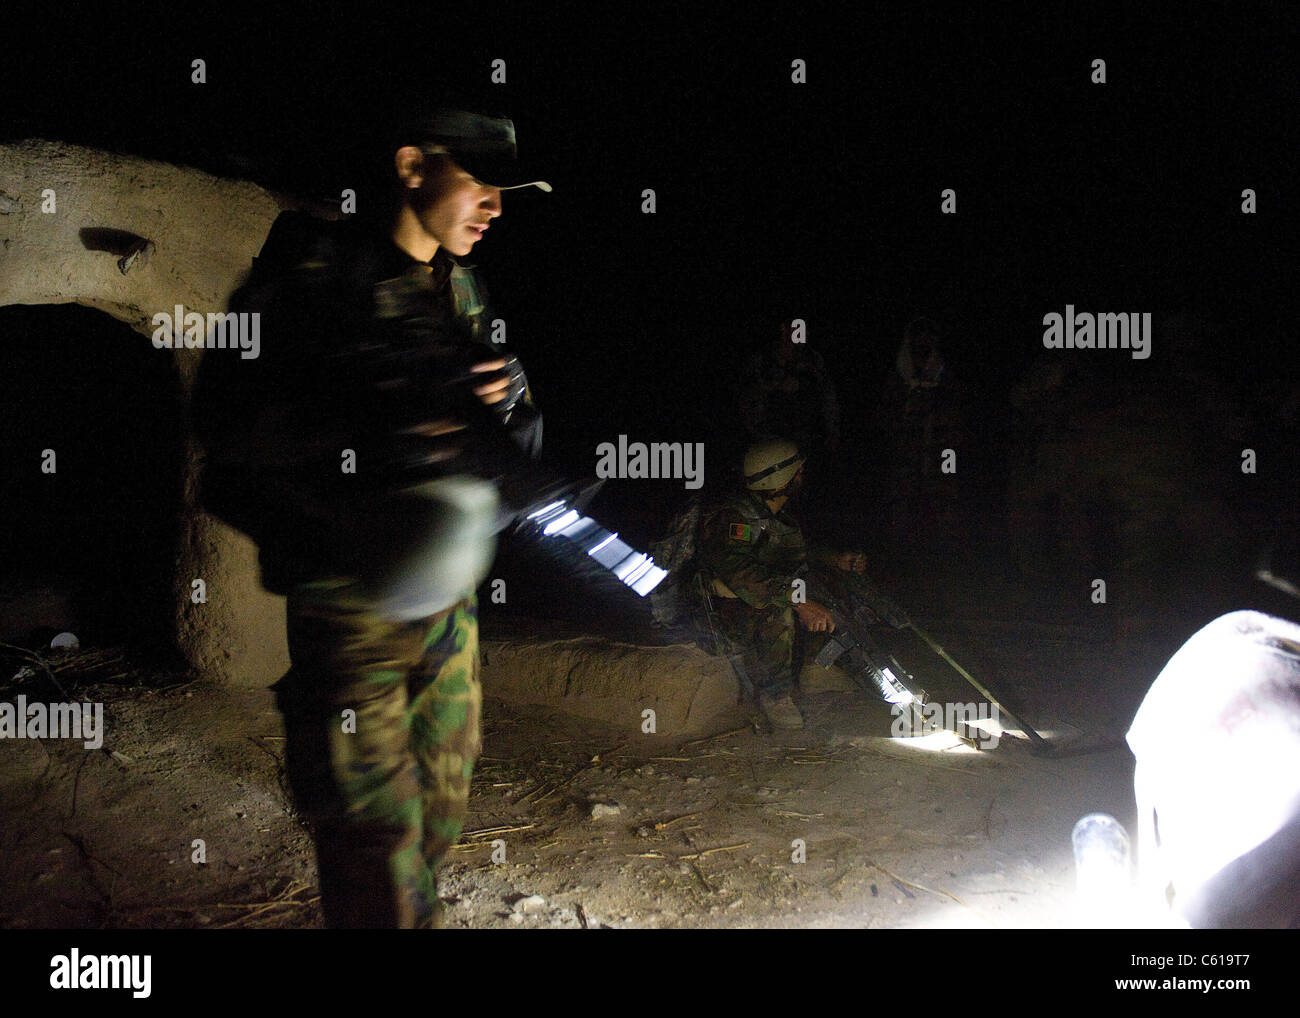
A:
[(356, 335), (754, 552)]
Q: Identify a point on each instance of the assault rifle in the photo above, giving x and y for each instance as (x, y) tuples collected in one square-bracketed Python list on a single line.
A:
[(856, 607), (417, 523), (422, 372)]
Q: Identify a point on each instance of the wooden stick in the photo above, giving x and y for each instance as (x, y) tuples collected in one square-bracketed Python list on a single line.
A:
[(563, 783), (483, 832), (700, 876), (919, 887), (668, 823), (715, 738)]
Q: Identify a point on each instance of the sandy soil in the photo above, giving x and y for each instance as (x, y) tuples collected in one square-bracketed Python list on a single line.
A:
[(605, 826)]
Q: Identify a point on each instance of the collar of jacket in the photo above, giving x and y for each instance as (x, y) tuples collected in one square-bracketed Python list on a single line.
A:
[(395, 261), (755, 510), (369, 255)]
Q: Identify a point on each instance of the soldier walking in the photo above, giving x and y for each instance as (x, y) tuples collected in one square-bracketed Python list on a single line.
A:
[(374, 354)]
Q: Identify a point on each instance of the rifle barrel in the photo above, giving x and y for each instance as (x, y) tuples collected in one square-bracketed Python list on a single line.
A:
[(1034, 737)]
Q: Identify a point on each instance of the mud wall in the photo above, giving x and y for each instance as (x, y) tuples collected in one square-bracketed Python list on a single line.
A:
[(69, 218)]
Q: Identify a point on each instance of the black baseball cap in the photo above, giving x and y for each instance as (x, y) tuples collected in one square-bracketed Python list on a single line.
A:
[(480, 143)]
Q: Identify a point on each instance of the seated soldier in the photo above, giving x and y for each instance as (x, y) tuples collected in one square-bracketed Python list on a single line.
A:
[(751, 551)]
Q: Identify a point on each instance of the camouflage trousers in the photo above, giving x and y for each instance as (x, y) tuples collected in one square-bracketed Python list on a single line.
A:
[(765, 637), (386, 787)]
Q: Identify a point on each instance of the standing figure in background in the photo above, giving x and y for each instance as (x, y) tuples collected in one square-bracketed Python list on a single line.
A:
[(785, 391), (919, 417)]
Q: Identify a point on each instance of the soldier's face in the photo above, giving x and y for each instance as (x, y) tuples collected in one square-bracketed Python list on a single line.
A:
[(454, 208)]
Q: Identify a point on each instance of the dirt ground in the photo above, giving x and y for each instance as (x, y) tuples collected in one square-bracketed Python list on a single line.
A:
[(608, 827)]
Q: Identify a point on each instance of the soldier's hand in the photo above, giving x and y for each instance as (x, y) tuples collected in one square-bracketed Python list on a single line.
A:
[(496, 387), (851, 562), (437, 445), (432, 429), (814, 617)]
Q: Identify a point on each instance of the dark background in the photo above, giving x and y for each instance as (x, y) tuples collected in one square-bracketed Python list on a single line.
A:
[(775, 200)]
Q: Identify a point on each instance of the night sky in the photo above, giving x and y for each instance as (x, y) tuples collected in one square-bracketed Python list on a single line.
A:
[(775, 200)]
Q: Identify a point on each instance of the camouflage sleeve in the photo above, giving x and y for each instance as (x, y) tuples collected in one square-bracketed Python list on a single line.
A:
[(727, 552)]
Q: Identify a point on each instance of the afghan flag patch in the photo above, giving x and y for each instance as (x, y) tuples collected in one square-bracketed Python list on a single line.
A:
[(743, 532)]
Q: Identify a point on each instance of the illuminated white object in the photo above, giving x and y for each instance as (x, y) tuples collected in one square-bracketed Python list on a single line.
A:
[(1217, 782), (1101, 857), (896, 693), (631, 567)]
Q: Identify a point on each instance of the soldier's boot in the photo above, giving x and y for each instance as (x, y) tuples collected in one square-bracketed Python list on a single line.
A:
[(780, 711)]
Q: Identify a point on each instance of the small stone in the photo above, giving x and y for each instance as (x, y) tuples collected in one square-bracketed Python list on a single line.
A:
[(648, 770), (643, 831), (531, 905), (692, 781), (65, 641), (601, 810)]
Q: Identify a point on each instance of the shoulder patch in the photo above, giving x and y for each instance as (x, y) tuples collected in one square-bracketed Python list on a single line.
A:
[(742, 532)]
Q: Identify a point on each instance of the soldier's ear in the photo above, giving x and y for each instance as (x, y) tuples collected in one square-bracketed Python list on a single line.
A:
[(409, 164)]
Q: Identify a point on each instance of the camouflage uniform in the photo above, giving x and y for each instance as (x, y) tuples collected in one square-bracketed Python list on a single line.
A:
[(748, 558), (387, 799)]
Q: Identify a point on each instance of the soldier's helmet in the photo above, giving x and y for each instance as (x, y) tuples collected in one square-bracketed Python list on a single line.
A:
[(771, 465)]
